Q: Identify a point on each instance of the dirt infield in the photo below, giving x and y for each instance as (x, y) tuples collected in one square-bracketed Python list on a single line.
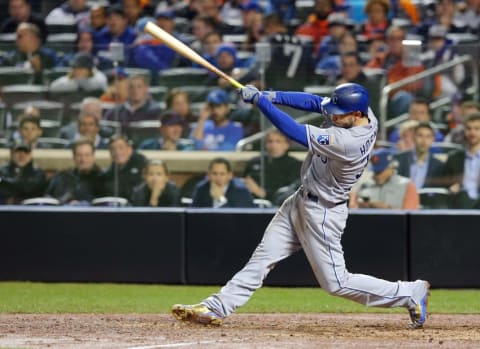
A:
[(239, 331)]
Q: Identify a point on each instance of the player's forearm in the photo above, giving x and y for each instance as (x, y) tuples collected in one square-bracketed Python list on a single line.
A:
[(292, 129), (299, 100)]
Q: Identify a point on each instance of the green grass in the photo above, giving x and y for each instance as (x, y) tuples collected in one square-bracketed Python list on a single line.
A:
[(28, 297)]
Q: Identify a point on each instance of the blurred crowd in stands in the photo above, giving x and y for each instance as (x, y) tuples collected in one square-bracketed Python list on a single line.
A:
[(83, 75)]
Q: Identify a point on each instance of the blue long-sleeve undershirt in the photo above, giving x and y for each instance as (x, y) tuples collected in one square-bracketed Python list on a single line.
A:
[(284, 122), (299, 100)]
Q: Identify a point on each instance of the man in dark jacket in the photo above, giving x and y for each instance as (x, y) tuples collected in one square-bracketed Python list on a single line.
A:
[(125, 172), (81, 184), (20, 179), (419, 164), (462, 169), (220, 189)]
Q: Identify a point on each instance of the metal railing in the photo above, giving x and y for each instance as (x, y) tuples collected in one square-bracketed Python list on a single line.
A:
[(384, 95), (241, 144)]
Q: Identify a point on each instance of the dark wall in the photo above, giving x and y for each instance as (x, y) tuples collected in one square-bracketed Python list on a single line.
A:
[(108, 246), (445, 249), (209, 246)]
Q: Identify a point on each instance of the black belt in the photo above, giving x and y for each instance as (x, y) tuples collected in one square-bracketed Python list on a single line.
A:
[(317, 199)]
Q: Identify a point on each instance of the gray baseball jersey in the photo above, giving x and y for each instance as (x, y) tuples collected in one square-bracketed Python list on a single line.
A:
[(313, 219)]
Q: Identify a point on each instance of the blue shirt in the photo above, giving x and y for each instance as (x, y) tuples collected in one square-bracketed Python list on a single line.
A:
[(418, 171), (471, 174), (223, 138)]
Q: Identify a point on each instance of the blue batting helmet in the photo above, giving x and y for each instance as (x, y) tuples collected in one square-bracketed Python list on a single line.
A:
[(346, 98)]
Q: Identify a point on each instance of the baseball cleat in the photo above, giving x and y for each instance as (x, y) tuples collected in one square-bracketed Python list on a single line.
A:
[(197, 313), (418, 315)]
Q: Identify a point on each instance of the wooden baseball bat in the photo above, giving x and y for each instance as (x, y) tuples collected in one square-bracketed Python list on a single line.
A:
[(178, 46)]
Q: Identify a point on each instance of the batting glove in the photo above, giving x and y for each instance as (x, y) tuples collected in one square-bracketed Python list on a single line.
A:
[(249, 94)]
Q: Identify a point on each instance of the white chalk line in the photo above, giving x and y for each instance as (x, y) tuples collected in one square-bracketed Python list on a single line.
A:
[(174, 345)]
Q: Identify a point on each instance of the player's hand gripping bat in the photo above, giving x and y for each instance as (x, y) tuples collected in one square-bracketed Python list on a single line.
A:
[(178, 46)]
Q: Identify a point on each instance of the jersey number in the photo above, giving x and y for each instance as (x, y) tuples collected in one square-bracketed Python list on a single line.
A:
[(296, 52)]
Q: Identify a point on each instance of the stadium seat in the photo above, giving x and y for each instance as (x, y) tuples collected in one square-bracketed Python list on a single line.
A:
[(139, 71), (197, 93), (61, 28), (433, 198), (51, 74), (138, 131), (49, 110), (22, 93), (15, 76), (158, 93), (3, 113), (4, 143), (111, 201), (179, 77), (262, 203), (53, 143), (41, 201)]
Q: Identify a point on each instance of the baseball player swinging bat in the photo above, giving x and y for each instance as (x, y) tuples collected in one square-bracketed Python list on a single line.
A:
[(178, 46)]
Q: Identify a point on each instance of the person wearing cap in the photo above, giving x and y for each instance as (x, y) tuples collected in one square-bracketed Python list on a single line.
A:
[(442, 50), (116, 30), (171, 131), (83, 76), (71, 12), (117, 90), (214, 130), (328, 53), (386, 188), (151, 53), (253, 19), (20, 179), (81, 184)]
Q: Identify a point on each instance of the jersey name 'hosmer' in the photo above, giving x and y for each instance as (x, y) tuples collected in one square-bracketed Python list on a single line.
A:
[(336, 159)]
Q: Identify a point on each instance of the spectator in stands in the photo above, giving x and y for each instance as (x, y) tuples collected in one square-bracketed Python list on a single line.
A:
[(210, 8), (386, 189), (83, 76), (210, 44), (156, 190), (419, 164), (457, 133), (151, 53), (98, 17), (139, 105), (213, 130), (201, 27), (280, 170), (21, 11), (284, 71), (231, 10), (84, 44), (328, 53), (392, 61), (442, 50), (125, 171), (89, 106), (418, 110), (444, 13), (117, 30), (316, 25), (117, 90), (71, 12), (252, 14), (81, 184), (171, 130), (406, 135), (89, 128), (133, 11), (29, 52), (20, 179), (220, 189), (178, 101), (30, 130), (468, 12), (377, 21), (226, 61), (462, 169)]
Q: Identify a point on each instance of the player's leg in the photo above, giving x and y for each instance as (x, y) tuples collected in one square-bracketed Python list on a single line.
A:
[(278, 242), (321, 242)]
